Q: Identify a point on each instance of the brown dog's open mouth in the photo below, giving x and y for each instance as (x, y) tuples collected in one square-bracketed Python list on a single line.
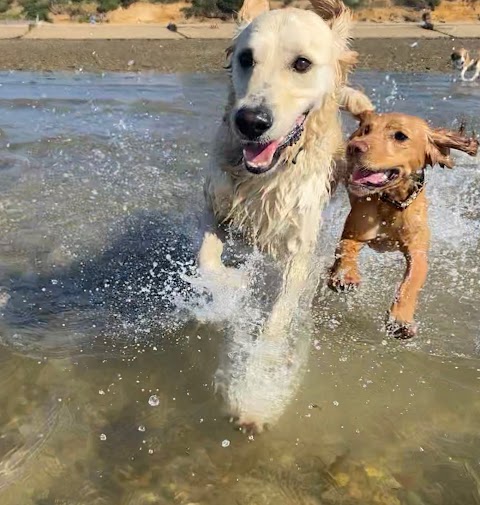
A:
[(372, 179), (261, 157)]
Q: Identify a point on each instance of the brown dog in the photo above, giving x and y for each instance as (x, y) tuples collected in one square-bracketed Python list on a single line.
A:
[(386, 158)]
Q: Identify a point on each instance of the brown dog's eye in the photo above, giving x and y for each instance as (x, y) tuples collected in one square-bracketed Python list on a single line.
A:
[(245, 58), (400, 136), (301, 65), (366, 130)]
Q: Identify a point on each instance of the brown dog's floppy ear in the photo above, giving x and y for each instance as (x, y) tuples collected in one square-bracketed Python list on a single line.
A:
[(442, 140), (251, 9)]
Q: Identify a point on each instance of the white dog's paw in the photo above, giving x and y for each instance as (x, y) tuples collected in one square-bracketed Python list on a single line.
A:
[(248, 425), (4, 297), (235, 278), (225, 276)]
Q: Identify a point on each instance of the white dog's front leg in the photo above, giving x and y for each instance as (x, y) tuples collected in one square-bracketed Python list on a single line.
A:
[(209, 257), (210, 253), (273, 363), (295, 279), (475, 75)]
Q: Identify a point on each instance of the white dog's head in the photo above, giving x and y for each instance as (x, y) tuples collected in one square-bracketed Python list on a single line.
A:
[(459, 57), (284, 65)]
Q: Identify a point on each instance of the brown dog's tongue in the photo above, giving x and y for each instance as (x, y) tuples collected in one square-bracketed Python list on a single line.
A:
[(260, 154), (365, 176)]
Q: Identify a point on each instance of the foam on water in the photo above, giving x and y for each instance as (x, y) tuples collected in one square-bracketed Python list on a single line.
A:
[(256, 377)]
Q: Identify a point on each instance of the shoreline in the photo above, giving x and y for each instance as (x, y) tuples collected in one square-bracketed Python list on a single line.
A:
[(208, 55), (218, 30)]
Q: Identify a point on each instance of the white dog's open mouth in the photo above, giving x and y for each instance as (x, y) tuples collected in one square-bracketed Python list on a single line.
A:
[(260, 157), (365, 179)]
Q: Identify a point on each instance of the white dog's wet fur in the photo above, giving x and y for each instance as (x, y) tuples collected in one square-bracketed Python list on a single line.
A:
[(271, 173)]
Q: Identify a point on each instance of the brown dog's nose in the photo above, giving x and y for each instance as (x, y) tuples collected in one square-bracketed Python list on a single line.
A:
[(357, 147)]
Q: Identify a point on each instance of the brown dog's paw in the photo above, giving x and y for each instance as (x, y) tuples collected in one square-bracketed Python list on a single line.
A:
[(343, 282), (400, 329)]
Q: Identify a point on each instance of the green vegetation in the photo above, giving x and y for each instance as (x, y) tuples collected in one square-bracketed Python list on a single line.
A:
[(418, 4), (36, 8), (223, 9), (82, 10)]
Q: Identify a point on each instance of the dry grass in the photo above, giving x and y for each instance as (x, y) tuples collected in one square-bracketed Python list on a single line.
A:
[(447, 11), (143, 12), (148, 13)]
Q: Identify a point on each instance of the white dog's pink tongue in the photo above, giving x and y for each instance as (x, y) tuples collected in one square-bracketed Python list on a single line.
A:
[(367, 177), (260, 154)]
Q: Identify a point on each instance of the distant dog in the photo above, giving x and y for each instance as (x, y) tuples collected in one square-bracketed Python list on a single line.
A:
[(271, 170), (461, 60), (387, 156), (427, 23)]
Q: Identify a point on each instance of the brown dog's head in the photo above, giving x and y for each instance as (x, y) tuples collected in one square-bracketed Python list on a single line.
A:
[(386, 149)]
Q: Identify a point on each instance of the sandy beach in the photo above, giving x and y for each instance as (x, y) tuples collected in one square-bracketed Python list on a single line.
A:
[(200, 47), (203, 55)]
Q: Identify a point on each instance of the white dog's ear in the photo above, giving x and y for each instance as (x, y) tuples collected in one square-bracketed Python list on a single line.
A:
[(336, 14), (339, 18), (251, 9)]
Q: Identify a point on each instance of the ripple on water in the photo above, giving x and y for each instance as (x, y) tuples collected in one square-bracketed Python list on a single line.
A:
[(101, 188)]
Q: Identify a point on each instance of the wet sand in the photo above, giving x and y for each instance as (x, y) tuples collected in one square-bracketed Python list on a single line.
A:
[(207, 55)]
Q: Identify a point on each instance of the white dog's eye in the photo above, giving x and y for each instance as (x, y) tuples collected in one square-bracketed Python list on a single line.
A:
[(245, 58), (301, 65)]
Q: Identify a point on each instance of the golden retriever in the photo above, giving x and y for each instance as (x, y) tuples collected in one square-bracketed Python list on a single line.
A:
[(387, 156), (273, 159)]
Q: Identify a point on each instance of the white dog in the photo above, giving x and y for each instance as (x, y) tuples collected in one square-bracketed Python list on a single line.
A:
[(461, 60), (272, 167)]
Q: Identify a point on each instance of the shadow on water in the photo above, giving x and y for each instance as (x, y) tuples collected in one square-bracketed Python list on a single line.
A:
[(128, 290)]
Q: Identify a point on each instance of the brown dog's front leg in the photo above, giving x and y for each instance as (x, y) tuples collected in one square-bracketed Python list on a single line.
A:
[(401, 323), (344, 274)]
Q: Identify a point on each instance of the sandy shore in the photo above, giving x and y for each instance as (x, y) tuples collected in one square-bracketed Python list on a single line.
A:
[(200, 47), (152, 31), (203, 55)]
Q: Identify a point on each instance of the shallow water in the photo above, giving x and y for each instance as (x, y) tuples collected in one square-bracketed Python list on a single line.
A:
[(105, 383)]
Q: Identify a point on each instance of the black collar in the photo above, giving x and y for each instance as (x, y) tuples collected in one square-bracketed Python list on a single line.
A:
[(418, 179)]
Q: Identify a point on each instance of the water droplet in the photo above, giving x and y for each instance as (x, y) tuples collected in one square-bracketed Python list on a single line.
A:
[(225, 443), (103, 437), (101, 392), (150, 451), (141, 428), (335, 403), (153, 401)]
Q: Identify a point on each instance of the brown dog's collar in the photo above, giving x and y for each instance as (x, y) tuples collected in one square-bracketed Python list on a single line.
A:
[(418, 185)]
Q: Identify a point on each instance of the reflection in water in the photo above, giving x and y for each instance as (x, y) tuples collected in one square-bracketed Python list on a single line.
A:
[(99, 196)]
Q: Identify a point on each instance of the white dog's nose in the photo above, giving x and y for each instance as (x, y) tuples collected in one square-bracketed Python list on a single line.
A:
[(253, 123)]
